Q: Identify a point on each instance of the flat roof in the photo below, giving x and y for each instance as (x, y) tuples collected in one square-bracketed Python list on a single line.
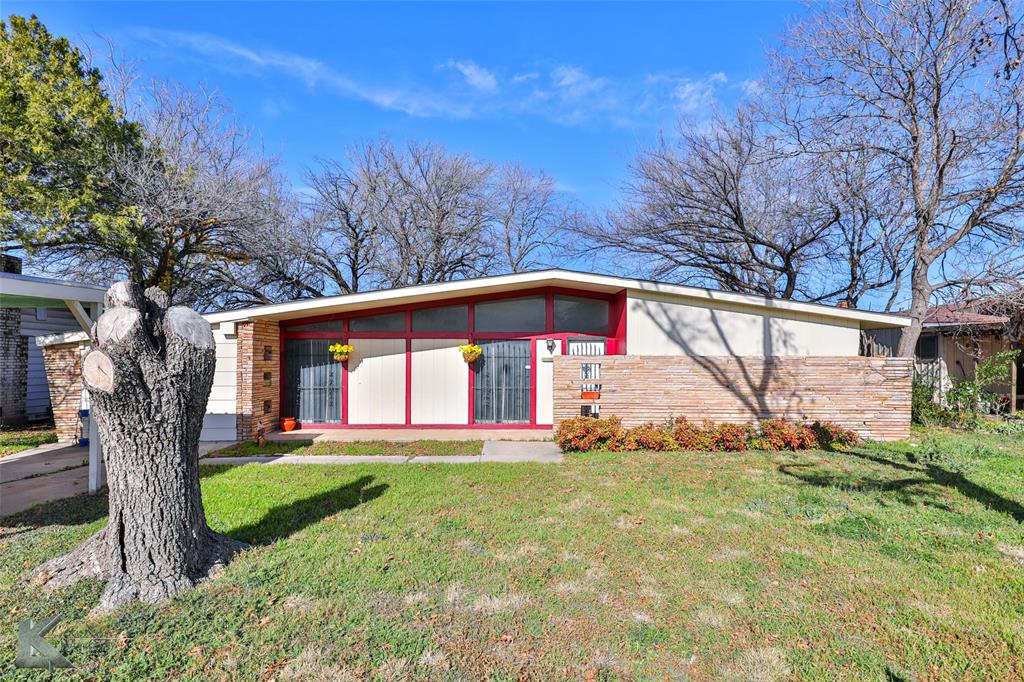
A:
[(27, 291), (555, 277)]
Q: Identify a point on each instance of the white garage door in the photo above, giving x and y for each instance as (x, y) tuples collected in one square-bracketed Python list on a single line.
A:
[(440, 382), (376, 382)]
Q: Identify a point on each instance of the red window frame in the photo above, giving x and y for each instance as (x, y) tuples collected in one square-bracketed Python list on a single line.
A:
[(615, 345)]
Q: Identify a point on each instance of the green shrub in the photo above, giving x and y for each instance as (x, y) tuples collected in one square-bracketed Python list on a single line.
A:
[(924, 410)]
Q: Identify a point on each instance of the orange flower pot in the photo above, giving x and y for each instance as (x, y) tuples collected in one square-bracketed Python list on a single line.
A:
[(289, 423), (590, 395)]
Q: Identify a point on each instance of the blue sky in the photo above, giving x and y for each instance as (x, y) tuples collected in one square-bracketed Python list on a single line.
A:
[(572, 89)]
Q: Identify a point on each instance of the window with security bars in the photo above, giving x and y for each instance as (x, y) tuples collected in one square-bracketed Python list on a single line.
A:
[(590, 375)]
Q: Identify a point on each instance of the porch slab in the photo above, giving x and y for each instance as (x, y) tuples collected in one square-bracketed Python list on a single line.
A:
[(411, 433)]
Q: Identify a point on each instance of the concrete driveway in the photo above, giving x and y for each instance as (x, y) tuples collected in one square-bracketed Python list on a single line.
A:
[(45, 473)]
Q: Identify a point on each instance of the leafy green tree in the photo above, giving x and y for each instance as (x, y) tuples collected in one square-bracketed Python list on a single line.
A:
[(57, 127)]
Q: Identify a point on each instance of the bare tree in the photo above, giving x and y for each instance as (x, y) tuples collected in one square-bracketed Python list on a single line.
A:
[(193, 197), (529, 214), (726, 206), (418, 214), (911, 82)]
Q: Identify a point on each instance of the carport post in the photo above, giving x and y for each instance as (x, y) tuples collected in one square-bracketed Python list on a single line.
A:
[(97, 470)]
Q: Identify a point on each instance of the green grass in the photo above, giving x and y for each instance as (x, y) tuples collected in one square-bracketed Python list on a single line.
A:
[(20, 438), (891, 562), (413, 448)]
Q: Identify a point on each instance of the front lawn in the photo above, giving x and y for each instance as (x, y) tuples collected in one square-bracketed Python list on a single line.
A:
[(412, 448), (20, 438), (891, 562)]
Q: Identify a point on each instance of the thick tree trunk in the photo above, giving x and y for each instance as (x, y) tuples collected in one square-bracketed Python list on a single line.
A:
[(920, 296), (149, 377)]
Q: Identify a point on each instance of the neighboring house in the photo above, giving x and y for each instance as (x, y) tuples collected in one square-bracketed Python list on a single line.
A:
[(954, 338), (26, 394), (649, 350)]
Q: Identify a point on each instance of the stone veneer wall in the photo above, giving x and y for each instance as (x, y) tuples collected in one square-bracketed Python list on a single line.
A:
[(869, 395), (253, 395), (13, 356), (63, 363)]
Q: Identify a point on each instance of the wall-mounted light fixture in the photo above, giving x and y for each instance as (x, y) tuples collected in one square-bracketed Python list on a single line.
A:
[(551, 345)]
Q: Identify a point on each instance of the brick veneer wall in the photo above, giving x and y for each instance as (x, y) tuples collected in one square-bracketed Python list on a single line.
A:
[(252, 338), (869, 395), (63, 363), (13, 356)]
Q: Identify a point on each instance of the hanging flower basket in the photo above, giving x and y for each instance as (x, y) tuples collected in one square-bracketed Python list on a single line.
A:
[(341, 351), (471, 352)]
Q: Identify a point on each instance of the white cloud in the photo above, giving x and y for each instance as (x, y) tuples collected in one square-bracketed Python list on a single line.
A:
[(752, 88), (313, 73), (566, 94), (573, 83), (694, 96), (476, 76)]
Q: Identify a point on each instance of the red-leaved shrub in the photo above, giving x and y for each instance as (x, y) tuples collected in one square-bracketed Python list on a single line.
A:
[(729, 437), (644, 437), (829, 435), (689, 436), (778, 434), (586, 433)]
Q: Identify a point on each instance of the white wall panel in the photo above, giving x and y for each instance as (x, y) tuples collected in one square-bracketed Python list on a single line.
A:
[(440, 382), (657, 324), (376, 382), (219, 422), (545, 380)]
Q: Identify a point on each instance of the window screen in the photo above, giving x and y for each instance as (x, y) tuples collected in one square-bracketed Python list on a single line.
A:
[(511, 315), (573, 314), (391, 322), (328, 326), (452, 318), (928, 347)]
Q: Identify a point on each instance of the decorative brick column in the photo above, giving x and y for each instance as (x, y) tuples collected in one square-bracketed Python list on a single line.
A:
[(869, 395), (13, 356), (258, 377), (63, 364)]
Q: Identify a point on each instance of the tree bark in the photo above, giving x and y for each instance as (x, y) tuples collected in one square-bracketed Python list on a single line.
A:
[(149, 377)]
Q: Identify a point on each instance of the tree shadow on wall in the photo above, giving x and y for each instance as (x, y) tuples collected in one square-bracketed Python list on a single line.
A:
[(756, 374)]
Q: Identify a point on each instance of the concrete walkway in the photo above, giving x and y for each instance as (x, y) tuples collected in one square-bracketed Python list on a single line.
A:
[(493, 451), (45, 459), (407, 434)]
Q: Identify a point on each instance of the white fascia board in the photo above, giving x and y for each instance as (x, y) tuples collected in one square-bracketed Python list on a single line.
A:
[(64, 337), (39, 287), (567, 278)]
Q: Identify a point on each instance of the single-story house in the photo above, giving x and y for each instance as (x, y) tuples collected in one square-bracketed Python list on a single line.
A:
[(556, 344), (955, 337), (32, 307)]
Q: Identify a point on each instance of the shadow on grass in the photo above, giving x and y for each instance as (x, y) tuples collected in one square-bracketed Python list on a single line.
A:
[(906, 488), (292, 517), (79, 510)]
